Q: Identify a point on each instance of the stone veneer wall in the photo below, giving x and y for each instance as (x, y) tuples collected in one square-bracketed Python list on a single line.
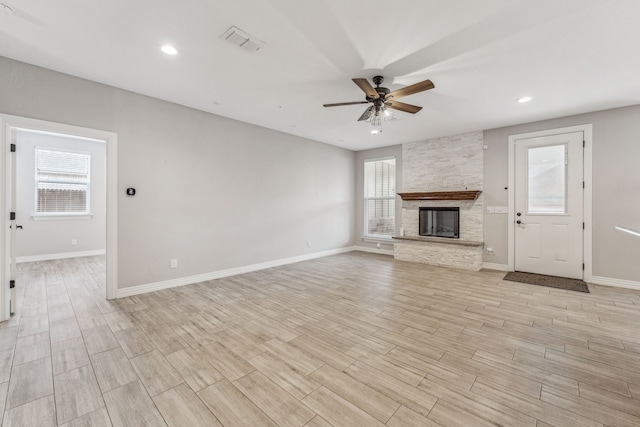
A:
[(452, 163), (442, 254)]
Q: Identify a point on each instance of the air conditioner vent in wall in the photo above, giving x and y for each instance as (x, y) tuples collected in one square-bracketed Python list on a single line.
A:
[(243, 39)]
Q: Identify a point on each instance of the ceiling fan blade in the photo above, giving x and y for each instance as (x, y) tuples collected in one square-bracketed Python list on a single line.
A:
[(367, 113), (345, 103), (410, 90), (366, 88), (407, 108)]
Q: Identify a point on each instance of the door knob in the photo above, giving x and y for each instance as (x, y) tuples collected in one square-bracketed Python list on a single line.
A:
[(518, 214), (519, 222)]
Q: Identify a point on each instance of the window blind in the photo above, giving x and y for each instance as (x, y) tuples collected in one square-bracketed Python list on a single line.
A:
[(379, 195)]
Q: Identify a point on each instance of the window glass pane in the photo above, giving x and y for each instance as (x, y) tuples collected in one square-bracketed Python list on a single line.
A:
[(62, 181), (381, 217), (380, 178), (547, 183), (379, 197)]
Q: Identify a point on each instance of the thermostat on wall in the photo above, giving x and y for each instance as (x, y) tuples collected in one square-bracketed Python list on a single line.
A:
[(131, 191)]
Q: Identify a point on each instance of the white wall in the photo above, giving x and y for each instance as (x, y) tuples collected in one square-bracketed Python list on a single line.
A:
[(212, 192), (616, 188), (43, 237)]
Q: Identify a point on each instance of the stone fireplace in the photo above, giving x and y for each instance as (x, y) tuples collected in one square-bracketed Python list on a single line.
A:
[(440, 175)]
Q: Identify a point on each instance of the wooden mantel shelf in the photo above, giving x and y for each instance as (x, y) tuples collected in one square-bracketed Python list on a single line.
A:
[(442, 195)]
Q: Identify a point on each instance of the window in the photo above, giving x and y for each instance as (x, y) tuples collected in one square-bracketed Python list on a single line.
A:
[(62, 182), (547, 179), (380, 198)]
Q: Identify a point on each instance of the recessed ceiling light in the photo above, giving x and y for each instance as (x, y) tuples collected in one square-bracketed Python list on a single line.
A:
[(524, 99), (374, 131), (169, 50)]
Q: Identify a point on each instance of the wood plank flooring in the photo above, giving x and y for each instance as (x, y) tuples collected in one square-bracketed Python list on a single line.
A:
[(350, 340)]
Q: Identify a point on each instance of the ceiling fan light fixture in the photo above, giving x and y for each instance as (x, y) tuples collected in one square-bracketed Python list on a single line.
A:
[(383, 101)]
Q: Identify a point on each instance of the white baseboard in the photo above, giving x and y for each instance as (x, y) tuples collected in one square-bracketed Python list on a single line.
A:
[(63, 255), (608, 281), (190, 280), (374, 250), (494, 266)]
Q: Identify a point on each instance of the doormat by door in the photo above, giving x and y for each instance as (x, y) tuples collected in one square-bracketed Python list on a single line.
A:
[(549, 281)]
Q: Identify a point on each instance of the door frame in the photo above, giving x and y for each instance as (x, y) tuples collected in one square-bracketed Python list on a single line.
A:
[(111, 140), (587, 132)]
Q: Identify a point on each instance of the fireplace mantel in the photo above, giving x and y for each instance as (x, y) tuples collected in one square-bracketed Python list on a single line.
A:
[(442, 195)]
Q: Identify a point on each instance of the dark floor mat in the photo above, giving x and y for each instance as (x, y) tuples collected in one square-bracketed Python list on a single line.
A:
[(549, 281)]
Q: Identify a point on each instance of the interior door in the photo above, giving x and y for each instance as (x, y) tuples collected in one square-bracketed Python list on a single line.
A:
[(549, 205)]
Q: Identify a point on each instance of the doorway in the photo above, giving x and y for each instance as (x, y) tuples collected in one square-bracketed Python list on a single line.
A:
[(550, 202), (12, 128)]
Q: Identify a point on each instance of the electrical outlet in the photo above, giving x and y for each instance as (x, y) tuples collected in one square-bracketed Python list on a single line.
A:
[(490, 250), (174, 263), (308, 243), (74, 242), (445, 184)]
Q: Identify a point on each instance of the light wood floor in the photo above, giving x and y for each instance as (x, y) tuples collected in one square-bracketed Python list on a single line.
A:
[(349, 340)]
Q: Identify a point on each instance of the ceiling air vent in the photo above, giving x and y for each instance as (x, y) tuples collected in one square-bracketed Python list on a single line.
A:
[(243, 39)]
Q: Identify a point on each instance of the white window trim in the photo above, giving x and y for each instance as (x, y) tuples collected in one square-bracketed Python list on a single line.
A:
[(52, 216), (382, 239), (375, 238), (87, 214)]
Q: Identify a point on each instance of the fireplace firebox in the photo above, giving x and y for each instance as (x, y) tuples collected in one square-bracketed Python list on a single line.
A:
[(440, 222)]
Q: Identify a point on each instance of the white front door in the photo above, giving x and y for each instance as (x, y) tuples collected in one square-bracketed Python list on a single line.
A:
[(549, 211)]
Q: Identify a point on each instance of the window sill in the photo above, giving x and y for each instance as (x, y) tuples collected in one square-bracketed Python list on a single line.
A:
[(383, 240), (60, 217)]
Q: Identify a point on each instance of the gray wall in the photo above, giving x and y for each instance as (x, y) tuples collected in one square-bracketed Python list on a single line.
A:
[(213, 193), (53, 236), (361, 156), (616, 187)]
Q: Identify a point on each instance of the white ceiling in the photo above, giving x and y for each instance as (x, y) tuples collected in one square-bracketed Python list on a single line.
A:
[(571, 56)]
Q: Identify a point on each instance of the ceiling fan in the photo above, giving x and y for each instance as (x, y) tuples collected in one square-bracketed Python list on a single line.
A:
[(382, 98)]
